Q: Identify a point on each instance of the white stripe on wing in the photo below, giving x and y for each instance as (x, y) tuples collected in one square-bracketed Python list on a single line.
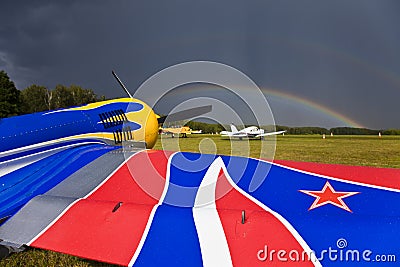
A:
[(213, 243)]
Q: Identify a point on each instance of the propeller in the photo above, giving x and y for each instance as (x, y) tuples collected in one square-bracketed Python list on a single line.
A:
[(177, 116), (121, 83), (185, 114)]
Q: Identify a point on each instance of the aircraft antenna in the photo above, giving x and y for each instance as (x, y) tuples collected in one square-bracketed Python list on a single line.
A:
[(120, 83)]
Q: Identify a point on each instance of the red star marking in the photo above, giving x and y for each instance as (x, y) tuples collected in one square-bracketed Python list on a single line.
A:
[(328, 195)]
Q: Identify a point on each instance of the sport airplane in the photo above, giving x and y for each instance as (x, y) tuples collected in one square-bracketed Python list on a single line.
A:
[(251, 132), (84, 181), (184, 131)]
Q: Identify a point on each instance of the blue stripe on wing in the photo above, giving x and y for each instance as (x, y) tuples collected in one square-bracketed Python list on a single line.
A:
[(173, 235), (172, 238)]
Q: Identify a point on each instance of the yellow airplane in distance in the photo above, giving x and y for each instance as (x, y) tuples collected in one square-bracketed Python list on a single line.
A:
[(184, 131)]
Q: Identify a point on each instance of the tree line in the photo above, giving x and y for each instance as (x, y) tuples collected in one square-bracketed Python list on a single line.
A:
[(216, 128), (205, 127), (36, 98), (337, 130)]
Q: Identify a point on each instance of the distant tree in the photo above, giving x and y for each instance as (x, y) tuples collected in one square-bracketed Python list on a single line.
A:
[(354, 131), (62, 97), (9, 96), (303, 130), (205, 127), (74, 95), (82, 96), (34, 98), (282, 128), (49, 99), (392, 132)]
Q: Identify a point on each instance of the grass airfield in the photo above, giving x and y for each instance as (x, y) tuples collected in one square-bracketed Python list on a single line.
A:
[(365, 150), (346, 149)]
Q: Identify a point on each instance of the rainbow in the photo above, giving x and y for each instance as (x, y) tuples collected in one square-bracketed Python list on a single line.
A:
[(268, 92), (312, 105)]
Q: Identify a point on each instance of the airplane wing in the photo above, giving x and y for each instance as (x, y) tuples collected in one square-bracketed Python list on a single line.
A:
[(236, 135), (158, 208), (271, 133), (231, 134), (225, 133), (171, 130)]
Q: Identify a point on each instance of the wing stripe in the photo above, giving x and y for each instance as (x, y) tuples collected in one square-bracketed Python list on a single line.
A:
[(151, 217), (213, 243)]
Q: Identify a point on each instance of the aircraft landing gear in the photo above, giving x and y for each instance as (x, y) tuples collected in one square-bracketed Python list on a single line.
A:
[(4, 252)]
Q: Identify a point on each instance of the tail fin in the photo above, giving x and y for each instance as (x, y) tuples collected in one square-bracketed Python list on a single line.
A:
[(234, 129)]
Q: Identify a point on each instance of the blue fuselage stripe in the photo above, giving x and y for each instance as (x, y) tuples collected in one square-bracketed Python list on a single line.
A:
[(46, 148), (40, 127), (18, 187)]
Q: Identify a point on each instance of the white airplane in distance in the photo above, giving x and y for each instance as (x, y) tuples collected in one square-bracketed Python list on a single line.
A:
[(249, 133)]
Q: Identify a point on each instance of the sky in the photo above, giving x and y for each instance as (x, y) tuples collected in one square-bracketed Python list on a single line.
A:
[(319, 63)]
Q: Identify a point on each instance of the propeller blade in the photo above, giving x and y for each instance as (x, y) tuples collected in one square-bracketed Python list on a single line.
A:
[(186, 114), (122, 85)]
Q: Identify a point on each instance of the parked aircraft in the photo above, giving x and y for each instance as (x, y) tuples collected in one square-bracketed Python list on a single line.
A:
[(251, 132), (184, 131)]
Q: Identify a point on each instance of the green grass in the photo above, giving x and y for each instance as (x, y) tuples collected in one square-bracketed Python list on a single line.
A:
[(351, 150), (43, 258)]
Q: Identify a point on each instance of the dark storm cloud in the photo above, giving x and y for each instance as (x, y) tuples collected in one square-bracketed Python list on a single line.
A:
[(342, 54)]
